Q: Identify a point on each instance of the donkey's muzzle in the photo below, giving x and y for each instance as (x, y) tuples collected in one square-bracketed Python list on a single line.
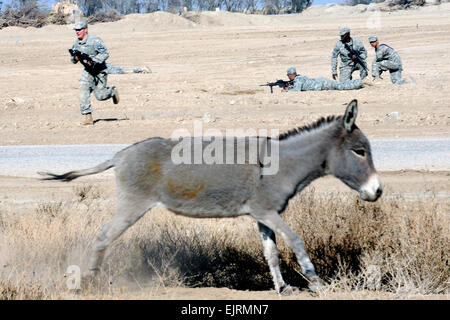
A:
[(372, 189), (371, 196)]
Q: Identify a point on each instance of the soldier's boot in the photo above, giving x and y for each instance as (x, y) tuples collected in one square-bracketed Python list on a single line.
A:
[(367, 82), (377, 81), (146, 70), (116, 95), (88, 121)]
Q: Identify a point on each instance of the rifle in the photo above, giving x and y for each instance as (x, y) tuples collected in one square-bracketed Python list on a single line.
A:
[(354, 53), (279, 83), (90, 65)]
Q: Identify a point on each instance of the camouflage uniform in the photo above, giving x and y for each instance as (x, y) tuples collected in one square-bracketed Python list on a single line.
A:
[(302, 83), (348, 66), (387, 59), (119, 70), (94, 47)]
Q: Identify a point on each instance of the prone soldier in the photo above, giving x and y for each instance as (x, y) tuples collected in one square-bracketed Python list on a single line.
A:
[(110, 69), (303, 83)]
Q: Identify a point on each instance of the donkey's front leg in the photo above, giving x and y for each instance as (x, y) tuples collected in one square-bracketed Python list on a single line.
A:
[(272, 220), (271, 255)]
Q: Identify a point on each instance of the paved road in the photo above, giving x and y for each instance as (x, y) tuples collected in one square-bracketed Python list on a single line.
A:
[(389, 155)]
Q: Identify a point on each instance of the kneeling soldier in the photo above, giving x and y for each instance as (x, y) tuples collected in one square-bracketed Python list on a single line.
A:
[(353, 57), (386, 59)]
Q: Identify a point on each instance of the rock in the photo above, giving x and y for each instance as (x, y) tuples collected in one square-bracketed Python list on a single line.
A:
[(207, 117), (18, 100), (393, 116)]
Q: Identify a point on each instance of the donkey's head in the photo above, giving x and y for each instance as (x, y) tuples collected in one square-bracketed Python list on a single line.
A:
[(350, 159)]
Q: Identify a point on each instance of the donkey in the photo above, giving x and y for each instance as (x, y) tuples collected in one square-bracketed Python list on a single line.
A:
[(146, 176)]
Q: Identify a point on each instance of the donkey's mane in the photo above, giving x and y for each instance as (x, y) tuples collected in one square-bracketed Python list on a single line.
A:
[(309, 127)]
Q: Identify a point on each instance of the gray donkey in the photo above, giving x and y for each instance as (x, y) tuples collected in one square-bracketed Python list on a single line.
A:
[(146, 176)]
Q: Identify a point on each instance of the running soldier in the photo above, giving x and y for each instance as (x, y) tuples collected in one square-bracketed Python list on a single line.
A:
[(386, 59), (92, 53), (349, 62), (302, 83)]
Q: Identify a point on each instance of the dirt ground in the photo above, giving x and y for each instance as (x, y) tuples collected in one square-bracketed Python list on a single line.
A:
[(407, 183), (215, 67), (24, 195), (208, 68)]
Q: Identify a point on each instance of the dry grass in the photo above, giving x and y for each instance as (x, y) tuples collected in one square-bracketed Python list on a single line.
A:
[(396, 245), (32, 15)]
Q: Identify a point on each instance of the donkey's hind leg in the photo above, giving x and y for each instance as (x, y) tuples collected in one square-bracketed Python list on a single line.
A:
[(271, 255), (129, 209)]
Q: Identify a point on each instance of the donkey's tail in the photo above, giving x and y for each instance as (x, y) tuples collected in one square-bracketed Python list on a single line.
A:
[(69, 176)]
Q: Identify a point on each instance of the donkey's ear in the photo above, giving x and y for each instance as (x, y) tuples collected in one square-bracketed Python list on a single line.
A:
[(350, 115)]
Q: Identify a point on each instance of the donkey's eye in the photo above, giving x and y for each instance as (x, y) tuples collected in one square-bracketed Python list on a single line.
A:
[(359, 152)]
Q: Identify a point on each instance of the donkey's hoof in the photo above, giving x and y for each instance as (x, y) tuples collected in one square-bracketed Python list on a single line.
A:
[(90, 275), (90, 279), (288, 290), (316, 285)]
